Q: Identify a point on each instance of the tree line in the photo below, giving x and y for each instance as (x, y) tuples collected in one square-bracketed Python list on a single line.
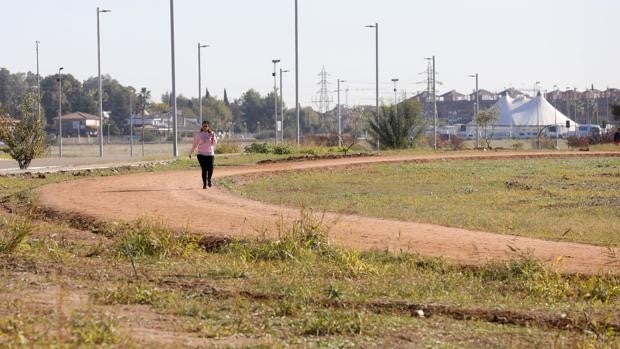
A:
[(250, 113)]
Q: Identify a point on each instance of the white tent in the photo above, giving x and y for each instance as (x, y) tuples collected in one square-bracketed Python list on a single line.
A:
[(523, 117), (538, 112)]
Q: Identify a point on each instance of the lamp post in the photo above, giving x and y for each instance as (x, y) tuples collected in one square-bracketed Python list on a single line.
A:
[(297, 72), (537, 91), (275, 99), (100, 93), (60, 112), (339, 116), (38, 83), (376, 26), (282, 106), (476, 107), (131, 94), (199, 82), (175, 151), (395, 97), (555, 117), (434, 99)]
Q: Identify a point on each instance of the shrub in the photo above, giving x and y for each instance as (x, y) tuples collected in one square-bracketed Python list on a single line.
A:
[(227, 148), (456, 143), (578, 142), (305, 237), (517, 146), (25, 140), (12, 233), (329, 323), (146, 237), (261, 148), (547, 143), (282, 149)]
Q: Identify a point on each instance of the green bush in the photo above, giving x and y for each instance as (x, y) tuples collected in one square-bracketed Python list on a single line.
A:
[(150, 238), (12, 233), (227, 148), (260, 148), (282, 149)]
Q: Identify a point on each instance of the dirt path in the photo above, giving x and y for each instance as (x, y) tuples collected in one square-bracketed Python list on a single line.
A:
[(178, 198)]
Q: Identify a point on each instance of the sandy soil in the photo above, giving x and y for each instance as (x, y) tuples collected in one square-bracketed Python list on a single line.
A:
[(179, 199)]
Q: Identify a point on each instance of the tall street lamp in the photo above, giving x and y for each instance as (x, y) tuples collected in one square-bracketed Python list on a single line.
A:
[(297, 72), (275, 99), (476, 107), (100, 93), (555, 116), (434, 99), (339, 116), (200, 81), (60, 112), (38, 83), (376, 26), (395, 80), (537, 92), (282, 106), (175, 150)]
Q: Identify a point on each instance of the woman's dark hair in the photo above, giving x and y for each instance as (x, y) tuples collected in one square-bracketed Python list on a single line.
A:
[(203, 124)]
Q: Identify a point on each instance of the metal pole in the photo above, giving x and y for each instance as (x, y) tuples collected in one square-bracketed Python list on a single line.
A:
[(59, 113), (339, 118), (200, 81), (275, 100), (557, 129), (476, 111), (175, 151), (297, 72), (100, 88), (376, 26), (434, 108), (377, 67), (199, 87), (38, 84), (395, 97), (282, 107), (131, 124)]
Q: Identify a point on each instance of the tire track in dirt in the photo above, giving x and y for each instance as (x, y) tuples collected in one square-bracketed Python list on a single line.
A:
[(177, 198)]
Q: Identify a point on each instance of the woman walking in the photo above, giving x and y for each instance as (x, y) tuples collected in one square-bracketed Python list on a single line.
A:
[(204, 145)]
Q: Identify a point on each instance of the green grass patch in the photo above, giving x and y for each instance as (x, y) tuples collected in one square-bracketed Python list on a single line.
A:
[(560, 199)]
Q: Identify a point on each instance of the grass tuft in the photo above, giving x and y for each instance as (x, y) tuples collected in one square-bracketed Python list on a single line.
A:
[(334, 323), (13, 231)]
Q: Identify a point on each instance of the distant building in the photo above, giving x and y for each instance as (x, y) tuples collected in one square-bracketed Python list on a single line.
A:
[(78, 124)]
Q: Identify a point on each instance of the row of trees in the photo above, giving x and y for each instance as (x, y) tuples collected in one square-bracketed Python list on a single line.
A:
[(251, 113)]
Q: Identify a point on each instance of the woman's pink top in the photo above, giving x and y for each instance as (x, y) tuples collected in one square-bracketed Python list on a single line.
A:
[(204, 143)]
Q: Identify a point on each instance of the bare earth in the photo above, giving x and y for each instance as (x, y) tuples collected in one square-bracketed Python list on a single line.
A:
[(179, 199)]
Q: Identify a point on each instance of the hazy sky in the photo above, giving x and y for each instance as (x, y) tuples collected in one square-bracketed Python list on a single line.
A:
[(509, 43)]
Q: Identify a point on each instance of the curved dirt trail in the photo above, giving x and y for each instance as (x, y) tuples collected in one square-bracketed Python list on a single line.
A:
[(178, 198)]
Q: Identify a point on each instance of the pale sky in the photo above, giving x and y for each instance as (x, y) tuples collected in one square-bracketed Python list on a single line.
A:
[(569, 43)]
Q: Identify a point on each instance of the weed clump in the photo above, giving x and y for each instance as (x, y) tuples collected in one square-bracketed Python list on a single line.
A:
[(12, 232), (148, 238), (305, 238), (330, 323)]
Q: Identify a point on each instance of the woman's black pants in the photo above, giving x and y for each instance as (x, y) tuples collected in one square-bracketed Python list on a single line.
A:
[(206, 164)]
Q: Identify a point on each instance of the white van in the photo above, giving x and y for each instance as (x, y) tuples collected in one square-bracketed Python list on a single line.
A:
[(588, 130)]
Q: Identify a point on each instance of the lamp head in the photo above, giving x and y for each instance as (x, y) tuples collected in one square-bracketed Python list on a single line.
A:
[(104, 11), (370, 26), (274, 61)]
